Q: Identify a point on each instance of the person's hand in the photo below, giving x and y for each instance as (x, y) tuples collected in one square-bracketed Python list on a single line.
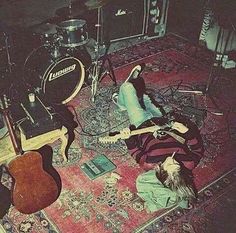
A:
[(179, 127), (125, 133)]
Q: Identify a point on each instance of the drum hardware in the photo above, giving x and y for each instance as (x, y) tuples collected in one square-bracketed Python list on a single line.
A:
[(55, 52), (97, 71), (50, 38), (73, 10), (46, 31), (54, 48), (92, 5), (10, 64)]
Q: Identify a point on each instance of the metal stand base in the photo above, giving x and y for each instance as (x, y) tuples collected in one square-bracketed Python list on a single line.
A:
[(98, 70), (213, 75)]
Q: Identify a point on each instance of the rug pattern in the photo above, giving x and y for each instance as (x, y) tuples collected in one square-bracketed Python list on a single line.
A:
[(204, 215), (104, 207)]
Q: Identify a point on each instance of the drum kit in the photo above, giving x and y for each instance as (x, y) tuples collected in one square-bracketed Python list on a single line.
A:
[(52, 70)]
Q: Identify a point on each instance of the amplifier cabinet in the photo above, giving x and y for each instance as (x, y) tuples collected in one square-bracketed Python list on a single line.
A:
[(123, 19)]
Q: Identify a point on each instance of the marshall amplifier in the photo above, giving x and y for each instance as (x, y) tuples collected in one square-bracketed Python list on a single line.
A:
[(157, 11), (122, 19)]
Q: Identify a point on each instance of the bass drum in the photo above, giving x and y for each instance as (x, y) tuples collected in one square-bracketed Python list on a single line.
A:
[(56, 81)]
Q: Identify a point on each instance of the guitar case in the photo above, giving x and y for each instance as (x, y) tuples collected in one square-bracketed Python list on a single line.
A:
[(5, 197)]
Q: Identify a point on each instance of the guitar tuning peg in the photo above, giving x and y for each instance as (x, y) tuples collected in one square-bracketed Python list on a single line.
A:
[(6, 100)]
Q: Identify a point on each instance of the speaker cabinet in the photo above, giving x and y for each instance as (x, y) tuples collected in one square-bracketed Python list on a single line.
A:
[(157, 12), (122, 19)]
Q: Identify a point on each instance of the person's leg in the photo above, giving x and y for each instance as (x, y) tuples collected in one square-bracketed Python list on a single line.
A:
[(150, 107), (128, 99)]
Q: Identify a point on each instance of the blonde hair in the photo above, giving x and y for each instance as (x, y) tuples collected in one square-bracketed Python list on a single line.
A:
[(178, 182)]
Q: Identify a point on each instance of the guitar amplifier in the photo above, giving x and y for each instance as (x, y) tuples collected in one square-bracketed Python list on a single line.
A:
[(122, 19), (119, 20), (34, 118)]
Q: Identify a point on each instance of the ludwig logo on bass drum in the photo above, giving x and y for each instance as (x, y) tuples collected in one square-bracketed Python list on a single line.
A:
[(62, 72)]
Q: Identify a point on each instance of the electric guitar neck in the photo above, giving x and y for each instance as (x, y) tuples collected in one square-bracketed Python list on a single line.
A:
[(156, 128)]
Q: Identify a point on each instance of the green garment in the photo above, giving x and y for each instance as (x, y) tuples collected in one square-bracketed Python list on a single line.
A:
[(155, 194)]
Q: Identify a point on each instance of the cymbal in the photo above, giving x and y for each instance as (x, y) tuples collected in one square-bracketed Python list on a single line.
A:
[(44, 29), (73, 11), (95, 4)]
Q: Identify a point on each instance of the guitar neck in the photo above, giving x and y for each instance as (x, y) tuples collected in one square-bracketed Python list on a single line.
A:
[(8, 122), (155, 128), (146, 130), (11, 132)]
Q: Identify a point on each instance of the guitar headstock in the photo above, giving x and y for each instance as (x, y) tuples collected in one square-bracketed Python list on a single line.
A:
[(4, 102)]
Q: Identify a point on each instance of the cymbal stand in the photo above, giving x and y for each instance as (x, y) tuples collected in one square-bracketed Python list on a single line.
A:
[(97, 71), (70, 9), (10, 64)]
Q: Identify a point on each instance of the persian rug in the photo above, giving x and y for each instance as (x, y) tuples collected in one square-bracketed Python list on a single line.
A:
[(110, 203)]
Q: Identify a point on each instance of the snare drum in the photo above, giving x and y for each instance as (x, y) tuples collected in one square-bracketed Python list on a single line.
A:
[(56, 81), (73, 33)]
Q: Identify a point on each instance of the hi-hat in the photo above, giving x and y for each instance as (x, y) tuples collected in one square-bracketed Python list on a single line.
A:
[(94, 4), (66, 11), (73, 11)]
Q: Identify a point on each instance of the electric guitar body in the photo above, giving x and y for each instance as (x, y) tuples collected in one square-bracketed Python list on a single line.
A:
[(34, 189)]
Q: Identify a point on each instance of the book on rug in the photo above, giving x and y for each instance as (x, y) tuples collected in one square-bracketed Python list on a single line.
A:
[(97, 166)]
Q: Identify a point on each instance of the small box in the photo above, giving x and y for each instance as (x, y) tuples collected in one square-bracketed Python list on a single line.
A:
[(97, 166)]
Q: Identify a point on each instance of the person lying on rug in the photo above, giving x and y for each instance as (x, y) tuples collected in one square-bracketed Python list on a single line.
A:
[(154, 134), (153, 137), (166, 186)]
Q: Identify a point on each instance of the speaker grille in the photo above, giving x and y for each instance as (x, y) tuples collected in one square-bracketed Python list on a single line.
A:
[(123, 19)]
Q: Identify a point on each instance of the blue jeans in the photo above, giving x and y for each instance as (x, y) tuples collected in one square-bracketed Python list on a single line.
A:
[(128, 100)]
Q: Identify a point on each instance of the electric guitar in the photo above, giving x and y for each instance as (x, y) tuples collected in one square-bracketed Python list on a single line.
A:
[(34, 189), (159, 130)]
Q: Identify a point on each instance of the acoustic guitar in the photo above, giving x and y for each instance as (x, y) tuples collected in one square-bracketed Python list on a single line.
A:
[(34, 189)]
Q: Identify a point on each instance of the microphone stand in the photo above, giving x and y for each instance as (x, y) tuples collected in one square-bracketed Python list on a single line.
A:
[(97, 71), (214, 71), (10, 64)]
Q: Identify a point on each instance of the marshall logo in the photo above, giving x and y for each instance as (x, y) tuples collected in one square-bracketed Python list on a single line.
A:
[(121, 12), (62, 72)]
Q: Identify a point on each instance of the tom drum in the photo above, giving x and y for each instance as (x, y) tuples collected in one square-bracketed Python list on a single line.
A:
[(73, 33)]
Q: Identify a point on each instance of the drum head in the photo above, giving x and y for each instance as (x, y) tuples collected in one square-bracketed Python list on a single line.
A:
[(72, 24), (63, 80)]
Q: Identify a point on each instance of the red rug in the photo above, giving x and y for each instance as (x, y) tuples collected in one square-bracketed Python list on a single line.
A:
[(97, 206)]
